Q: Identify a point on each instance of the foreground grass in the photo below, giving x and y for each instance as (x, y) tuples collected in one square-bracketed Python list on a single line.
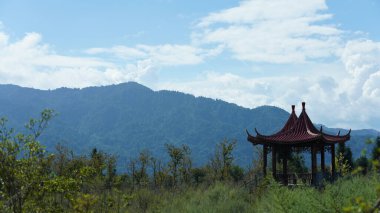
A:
[(223, 197), (333, 198)]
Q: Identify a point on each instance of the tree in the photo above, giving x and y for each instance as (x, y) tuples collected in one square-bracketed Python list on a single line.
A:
[(24, 164), (297, 163), (376, 149), (375, 157), (186, 164), (198, 174), (132, 170), (222, 160), (179, 162), (346, 154), (143, 161), (237, 173), (362, 164), (110, 176), (98, 161)]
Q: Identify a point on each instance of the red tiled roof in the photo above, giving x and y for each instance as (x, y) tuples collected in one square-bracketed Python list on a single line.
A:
[(296, 131)]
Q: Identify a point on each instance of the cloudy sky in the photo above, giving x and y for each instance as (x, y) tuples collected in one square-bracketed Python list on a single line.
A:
[(251, 52)]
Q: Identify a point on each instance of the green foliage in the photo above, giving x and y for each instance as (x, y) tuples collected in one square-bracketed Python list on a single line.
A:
[(376, 154), (85, 203), (342, 165), (237, 173), (180, 163), (32, 180), (297, 163), (333, 198), (346, 155), (199, 175), (24, 164), (217, 198), (362, 165), (221, 162)]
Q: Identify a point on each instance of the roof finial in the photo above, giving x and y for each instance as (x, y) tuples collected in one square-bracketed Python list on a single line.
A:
[(303, 105), (293, 107)]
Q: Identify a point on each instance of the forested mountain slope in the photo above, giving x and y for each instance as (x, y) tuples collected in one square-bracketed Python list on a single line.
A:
[(127, 118)]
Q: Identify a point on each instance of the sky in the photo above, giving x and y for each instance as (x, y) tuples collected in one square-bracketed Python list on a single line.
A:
[(250, 52)]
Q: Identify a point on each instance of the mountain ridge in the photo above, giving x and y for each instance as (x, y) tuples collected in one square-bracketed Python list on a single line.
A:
[(127, 118)]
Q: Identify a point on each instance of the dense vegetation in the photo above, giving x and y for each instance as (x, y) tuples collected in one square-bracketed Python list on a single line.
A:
[(126, 118), (34, 180)]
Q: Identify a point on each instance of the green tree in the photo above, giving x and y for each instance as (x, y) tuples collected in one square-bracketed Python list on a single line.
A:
[(362, 164), (297, 163), (222, 160), (179, 163), (237, 173), (376, 152), (110, 176), (143, 161), (199, 174), (24, 164), (346, 154), (98, 161)]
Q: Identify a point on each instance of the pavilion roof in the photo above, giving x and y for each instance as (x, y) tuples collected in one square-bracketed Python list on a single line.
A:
[(298, 131)]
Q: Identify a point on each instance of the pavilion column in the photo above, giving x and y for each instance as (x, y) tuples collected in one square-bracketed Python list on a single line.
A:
[(323, 159), (274, 161), (285, 167), (313, 164), (265, 153), (333, 161)]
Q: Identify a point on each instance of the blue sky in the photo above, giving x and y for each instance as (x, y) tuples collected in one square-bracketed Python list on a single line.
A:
[(251, 53)]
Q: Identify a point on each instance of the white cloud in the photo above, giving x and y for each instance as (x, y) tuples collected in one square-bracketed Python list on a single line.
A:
[(323, 103), (123, 52), (277, 31), (362, 59), (251, 11), (161, 55), (3, 39), (29, 62), (341, 96), (169, 55)]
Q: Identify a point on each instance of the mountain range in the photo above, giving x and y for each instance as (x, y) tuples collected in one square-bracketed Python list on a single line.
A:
[(127, 118)]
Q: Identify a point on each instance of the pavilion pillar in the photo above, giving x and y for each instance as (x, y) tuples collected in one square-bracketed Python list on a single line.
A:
[(285, 167), (313, 164), (333, 161), (274, 161), (323, 159), (265, 153)]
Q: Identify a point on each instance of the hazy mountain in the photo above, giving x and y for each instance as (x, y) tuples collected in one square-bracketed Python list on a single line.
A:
[(127, 118)]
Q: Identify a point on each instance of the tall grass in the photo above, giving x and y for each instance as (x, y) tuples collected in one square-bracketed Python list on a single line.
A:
[(332, 198), (223, 197), (217, 198)]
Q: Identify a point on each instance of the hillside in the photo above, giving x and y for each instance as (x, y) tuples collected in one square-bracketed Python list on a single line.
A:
[(127, 118)]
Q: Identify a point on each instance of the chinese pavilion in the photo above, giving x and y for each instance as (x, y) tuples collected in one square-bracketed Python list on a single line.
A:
[(298, 134)]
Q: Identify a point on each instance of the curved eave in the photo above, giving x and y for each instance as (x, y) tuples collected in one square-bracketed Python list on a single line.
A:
[(332, 139), (293, 141), (250, 138)]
